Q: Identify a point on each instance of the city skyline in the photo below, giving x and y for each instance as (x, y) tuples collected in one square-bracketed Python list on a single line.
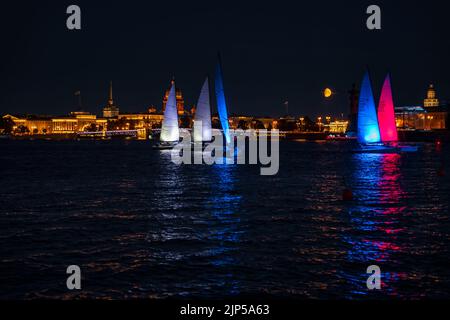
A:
[(190, 108), (224, 159), (311, 49)]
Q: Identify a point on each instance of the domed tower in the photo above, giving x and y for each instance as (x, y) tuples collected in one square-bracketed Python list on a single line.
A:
[(431, 99)]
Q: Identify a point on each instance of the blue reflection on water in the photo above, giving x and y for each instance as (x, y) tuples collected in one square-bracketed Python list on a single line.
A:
[(376, 216), (224, 205)]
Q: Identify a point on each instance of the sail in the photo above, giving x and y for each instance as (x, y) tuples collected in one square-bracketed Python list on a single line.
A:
[(368, 130), (221, 103), (386, 114), (203, 114), (170, 131)]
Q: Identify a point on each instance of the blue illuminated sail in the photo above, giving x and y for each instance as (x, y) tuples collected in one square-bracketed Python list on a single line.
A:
[(368, 128), (221, 103)]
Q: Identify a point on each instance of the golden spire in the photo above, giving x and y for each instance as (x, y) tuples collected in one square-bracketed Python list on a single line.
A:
[(110, 99)]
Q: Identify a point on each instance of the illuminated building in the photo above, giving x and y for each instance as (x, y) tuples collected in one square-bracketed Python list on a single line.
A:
[(239, 122), (152, 110), (431, 99), (39, 125), (142, 120), (337, 127), (30, 124), (64, 125), (179, 98), (432, 116), (110, 111), (419, 118), (268, 123)]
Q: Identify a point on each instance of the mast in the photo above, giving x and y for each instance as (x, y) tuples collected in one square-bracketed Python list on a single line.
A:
[(110, 96), (221, 101)]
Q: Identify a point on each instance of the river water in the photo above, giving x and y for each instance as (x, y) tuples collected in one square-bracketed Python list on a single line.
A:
[(140, 226)]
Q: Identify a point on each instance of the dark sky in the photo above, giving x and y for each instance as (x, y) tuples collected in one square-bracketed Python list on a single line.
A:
[(271, 52)]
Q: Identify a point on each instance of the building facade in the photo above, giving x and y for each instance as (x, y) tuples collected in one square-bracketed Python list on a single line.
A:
[(141, 120), (431, 116), (42, 125), (419, 118)]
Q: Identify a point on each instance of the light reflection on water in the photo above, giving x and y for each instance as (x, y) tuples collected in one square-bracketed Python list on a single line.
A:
[(378, 219), (143, 227), (225, 208)]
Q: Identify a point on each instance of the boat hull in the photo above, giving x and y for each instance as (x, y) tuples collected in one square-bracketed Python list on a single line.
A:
[(164, 145), (385, 148)]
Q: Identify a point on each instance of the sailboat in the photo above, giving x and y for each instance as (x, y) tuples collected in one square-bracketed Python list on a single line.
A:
[(221, 102), (386, 119), (170, 131), (202, 121), (368, 129)]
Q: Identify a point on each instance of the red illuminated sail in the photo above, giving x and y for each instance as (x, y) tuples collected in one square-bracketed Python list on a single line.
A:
[(386, 114)]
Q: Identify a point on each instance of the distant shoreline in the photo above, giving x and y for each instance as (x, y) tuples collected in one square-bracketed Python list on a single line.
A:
[(404, 136)]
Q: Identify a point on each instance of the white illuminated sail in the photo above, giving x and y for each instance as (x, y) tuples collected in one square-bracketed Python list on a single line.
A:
[(170, 131), (202, 133)]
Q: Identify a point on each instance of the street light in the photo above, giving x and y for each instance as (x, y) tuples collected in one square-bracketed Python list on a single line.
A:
[(302, 123), (319, 122)]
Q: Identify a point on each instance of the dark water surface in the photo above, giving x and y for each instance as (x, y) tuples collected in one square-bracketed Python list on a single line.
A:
[(140, 226)]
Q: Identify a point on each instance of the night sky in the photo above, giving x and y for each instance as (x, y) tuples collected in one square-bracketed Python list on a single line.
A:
[(271, 52)]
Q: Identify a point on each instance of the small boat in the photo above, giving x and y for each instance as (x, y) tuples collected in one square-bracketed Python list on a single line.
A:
[(408, 148), (164, 145), (170, 131), (375, 148), (340, 138)]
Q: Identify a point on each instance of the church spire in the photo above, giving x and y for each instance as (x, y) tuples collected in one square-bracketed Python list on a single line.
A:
[(110, 99)]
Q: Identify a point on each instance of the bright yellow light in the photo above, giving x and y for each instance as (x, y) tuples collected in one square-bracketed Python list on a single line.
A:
[(327, 93)]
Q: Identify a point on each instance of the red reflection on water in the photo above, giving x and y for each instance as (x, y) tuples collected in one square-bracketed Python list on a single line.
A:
[(381, 219), (390, 194), (390, 189)]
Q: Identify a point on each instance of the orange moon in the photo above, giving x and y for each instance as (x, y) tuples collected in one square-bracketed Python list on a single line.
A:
[(327, 93)]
